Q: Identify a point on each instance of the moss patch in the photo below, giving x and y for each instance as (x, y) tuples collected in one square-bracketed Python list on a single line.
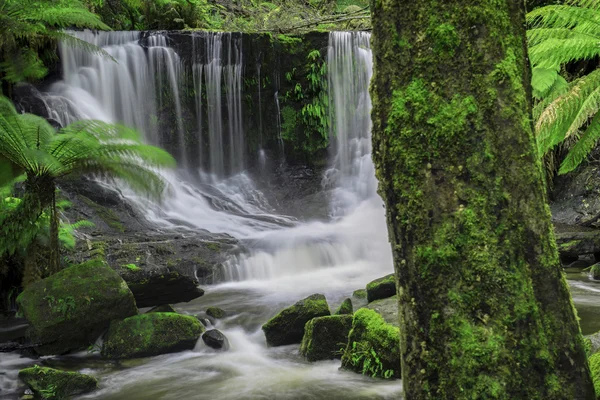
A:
[(373, 346), (151, 334), (49, 383), (381, 288), (287, 327), (70, 309), (325, 336), (345, 307)]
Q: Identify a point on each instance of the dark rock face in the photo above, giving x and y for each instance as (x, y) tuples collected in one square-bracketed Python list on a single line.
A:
[(287, 327), (160, 286), (49, 383), (151, 334), (215, 339), (381, 288), (163, 308), (70, 309), (325, 336), (577, 198)]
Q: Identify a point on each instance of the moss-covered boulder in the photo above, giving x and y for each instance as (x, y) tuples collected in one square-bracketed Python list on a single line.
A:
[(49, 383), (595, 271), (287, 327), (151, 334), (163, 308), (373, 346), (325, 337), (345, 308), (359, 294), (381, 288), (71, 308), (215, 312)]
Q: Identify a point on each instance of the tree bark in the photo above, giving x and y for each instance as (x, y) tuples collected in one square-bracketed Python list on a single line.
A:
[(485, 310)]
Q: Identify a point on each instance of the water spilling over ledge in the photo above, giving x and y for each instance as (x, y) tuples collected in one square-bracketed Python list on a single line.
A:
[(214, 101)]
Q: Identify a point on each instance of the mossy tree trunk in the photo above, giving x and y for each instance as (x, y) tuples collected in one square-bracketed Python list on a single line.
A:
[(485, 310)]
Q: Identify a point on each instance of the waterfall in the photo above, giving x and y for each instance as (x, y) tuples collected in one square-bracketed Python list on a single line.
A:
[(356, 240), (219, 60), (350, 67), (122, 89)]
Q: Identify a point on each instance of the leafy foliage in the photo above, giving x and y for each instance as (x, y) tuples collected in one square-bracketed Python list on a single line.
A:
[(566, 112), (30, 145), (30, 28)]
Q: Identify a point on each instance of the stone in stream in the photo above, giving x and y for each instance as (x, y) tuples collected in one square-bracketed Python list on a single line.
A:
[(50, 383), (595, 271), (287, 327), (150, 335), (70, 309), (324, 337), (158, 287), (381, 288), (345, 308), (215, 339), (163, 308), (215, 312), (373, 346)]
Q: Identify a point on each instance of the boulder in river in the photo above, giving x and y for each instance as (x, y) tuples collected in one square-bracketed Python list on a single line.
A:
[(287, 327), (381, 288), (373, 346), (595, 271), (50, 383), (215, 312), (215, 339), (151, 334), (70, 309), (345, 307), (325, 337), (154, 287)]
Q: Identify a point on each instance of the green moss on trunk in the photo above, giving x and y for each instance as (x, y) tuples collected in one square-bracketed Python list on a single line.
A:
[(484, 306)]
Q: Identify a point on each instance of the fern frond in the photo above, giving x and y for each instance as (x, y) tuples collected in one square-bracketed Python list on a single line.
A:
[(555, 123), (582, 148)]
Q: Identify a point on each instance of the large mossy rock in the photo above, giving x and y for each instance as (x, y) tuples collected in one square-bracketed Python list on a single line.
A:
[(71, 308), (49, 383), (373, 346), (287, 327), (381, 288), (325, 337), (150, 335)]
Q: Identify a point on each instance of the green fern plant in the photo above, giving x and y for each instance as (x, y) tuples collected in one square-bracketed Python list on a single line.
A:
[(31, 27), (567, 123), (30, 145)]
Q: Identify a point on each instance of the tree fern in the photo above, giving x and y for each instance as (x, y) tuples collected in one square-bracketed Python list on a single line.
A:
[(30, 145), (565, 112), (29, 26)]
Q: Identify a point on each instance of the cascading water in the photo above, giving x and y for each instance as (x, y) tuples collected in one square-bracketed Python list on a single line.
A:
[(350, 66), (287, 260), (359, 236)]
